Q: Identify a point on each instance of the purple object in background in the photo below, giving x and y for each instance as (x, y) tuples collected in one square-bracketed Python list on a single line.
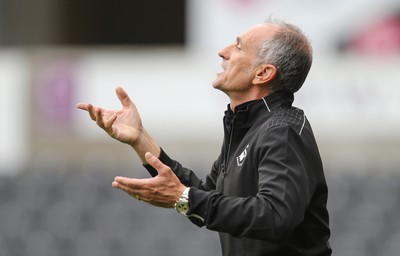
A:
[(55, 95)]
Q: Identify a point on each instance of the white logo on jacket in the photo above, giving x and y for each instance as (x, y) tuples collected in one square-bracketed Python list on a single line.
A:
[(240, 159)]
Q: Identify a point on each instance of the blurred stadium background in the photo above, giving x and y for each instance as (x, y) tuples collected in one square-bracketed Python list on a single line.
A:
[(56, 166)]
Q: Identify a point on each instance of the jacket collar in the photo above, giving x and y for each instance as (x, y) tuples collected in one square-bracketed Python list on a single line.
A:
[(278, 100), (246, 113)]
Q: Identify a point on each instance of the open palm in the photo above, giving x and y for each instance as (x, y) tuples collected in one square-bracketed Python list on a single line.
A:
[(124, 125)]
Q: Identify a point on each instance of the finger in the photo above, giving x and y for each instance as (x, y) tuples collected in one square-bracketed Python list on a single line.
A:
[(135, 193), (123, 97), (83, 106), (134, 184), (109, 122), (124, 188), (114, 184), (155, 162), (97, 112), (91, 110)]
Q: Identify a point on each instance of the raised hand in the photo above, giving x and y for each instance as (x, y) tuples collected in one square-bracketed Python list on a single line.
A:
[(124, 125)]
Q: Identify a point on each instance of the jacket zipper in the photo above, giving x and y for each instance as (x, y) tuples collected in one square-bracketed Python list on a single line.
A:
[(229, 147)]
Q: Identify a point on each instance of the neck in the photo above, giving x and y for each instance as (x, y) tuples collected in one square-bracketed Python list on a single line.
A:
[(236, 101)]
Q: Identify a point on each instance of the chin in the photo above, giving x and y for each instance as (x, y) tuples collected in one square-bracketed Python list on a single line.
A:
[(216, 84)]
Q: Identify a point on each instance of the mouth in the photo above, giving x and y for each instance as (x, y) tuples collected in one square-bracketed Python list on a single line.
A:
[(220, 73), (223, 65), (223, 69)]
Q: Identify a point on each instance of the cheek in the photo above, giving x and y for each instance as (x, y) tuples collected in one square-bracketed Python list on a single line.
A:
[(240, 75), (241, 67)]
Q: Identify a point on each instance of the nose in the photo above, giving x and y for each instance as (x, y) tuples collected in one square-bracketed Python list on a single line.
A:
[(225, 53)]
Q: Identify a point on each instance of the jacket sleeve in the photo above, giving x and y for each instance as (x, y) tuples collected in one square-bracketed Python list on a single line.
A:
[(284, 191)]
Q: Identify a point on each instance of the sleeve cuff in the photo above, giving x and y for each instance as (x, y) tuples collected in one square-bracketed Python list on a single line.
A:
[(197, 210)]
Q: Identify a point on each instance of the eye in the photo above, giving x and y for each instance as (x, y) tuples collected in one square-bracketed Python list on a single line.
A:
[(238, 46)]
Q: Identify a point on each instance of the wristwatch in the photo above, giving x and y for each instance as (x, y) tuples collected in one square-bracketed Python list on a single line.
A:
[(182, 205)]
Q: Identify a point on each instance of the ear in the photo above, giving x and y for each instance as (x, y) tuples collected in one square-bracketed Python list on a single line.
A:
[(264, 74)]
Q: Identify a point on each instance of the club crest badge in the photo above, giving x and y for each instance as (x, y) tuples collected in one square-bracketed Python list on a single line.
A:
[(240, 159)]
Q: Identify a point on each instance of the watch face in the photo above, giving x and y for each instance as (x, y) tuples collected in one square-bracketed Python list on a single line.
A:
[(182, 207)]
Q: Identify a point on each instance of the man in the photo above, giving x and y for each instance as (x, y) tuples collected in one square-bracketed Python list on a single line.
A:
[(266, 193)]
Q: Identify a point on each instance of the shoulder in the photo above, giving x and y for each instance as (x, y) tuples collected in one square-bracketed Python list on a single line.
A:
[(290, 117)]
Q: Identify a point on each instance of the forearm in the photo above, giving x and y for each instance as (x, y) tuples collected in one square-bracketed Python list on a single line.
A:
[(146, 144)]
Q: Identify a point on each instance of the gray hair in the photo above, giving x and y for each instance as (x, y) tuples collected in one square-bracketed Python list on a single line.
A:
[(290, 52)]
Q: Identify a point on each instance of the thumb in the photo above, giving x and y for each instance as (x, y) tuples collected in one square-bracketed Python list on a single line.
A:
[(123, 97), (154, 162)]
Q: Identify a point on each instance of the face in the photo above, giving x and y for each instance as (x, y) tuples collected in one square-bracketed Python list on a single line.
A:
[(237, 60)]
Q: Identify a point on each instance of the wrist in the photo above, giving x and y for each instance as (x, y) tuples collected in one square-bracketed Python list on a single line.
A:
[(182, 204), (145, 144)]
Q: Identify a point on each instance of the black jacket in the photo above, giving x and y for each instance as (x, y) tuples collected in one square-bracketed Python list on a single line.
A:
[(266, 193)]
